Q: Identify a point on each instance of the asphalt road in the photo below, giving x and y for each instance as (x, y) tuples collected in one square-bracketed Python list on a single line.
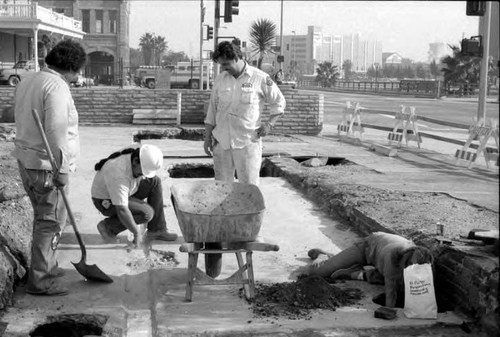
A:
[(446, 109)]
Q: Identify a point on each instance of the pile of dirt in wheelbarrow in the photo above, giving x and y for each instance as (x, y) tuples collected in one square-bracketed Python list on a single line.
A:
[(295, 300)]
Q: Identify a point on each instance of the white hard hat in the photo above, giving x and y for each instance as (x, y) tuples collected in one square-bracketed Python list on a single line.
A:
[(151, 159)]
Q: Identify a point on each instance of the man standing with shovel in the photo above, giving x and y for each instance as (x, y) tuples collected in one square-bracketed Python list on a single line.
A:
[(47, 91)]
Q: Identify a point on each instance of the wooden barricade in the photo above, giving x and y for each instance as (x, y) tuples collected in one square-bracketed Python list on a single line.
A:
[(482, 134), (406, 121), (351, 121)]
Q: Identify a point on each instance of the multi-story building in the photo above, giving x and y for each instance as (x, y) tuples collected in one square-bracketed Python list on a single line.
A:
[(26, 30), (303, 53), (106, 24)]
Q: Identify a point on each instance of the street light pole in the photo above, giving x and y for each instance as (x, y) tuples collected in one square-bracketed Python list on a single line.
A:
[(281, 34), (216, 33), (294, 64), (202, 19), (485, 23)]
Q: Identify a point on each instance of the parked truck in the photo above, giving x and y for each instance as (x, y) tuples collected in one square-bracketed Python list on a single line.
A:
[(182, 75)]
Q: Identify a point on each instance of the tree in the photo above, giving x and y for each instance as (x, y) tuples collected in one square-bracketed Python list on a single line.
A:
[(262, 37), (172, 57), (327, 74), (434, 69), (146, 42), (159, 47), (371, 72), (459, 68), (347, 66)]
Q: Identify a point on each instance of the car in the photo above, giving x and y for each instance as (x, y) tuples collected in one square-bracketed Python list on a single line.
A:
[(13, 76), (82, 81)]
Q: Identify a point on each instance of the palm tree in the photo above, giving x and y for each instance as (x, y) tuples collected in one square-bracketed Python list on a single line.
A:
[(262, 36), (327, 74), (347, 66), (146, 43), (159, 47), (459, 68)]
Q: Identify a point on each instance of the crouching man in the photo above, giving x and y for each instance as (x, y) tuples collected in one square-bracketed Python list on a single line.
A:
[(390, 254), (127, 191)]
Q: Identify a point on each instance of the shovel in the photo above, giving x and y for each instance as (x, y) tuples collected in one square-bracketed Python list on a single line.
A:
[(92, 272)]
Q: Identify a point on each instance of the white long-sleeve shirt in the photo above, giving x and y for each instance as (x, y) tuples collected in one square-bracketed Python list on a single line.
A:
[(236, 106), (48, 92)]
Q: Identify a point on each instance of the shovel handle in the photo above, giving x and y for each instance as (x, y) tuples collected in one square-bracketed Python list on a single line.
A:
[(55, 169)]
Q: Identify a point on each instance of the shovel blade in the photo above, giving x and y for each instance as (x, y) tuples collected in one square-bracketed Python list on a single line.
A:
[(92, 273)]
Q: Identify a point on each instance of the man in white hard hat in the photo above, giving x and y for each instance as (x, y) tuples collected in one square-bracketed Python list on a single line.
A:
[(127, 191)]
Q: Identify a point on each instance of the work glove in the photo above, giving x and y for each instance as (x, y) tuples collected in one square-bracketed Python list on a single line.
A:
[(60, 179), (264, 130)]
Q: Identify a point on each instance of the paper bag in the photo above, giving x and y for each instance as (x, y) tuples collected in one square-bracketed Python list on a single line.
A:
[(420, 298)]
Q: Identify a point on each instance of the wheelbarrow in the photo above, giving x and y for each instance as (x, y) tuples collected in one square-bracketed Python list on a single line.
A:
[(228, 215)]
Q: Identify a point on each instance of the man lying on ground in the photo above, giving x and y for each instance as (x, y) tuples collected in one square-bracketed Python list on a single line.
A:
[(389, 254)]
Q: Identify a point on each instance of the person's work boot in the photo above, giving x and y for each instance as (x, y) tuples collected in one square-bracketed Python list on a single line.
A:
[(315, 252), (213, 262), (162, 236), (105, 234), (352, 273), (57, 272), (55, 289)]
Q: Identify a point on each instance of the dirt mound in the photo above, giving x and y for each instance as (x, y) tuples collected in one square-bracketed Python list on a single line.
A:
[(294, 300)]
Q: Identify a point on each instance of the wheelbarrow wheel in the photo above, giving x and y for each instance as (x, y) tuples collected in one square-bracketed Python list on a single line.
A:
[(213, 262)]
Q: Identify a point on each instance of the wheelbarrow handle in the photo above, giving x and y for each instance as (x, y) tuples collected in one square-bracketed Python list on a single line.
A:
[(55, 169)]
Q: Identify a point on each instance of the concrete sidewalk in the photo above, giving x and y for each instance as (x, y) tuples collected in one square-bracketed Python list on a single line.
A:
[(146, 301)]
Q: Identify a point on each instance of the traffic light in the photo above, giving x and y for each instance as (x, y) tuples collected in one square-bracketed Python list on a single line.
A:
[(475, 8), (210, 32), (472, 46), (230, 9)]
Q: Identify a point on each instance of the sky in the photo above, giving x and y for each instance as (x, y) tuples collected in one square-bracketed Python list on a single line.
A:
[(405, 27)]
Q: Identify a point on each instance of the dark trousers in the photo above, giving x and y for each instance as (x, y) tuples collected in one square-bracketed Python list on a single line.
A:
[(49, 215), (149, 211)]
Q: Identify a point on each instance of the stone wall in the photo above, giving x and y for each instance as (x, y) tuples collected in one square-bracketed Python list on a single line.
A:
[(303, 114)]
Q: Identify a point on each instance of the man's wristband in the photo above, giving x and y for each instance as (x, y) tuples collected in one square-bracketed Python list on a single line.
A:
[(270, 125)]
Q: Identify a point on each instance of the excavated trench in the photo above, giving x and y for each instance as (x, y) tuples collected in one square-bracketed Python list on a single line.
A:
[(71, 325)]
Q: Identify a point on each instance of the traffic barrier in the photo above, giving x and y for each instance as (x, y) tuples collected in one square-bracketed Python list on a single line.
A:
[(405, 120), (481, 134), (351, 121)]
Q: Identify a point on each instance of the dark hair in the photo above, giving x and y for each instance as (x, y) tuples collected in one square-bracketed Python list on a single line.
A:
[(415, 255), (227, 50), (100, 164), (67, 55)]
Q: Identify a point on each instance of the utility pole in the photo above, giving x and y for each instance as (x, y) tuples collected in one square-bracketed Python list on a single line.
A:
[(281, 34), (216, 33), (484, 24), (202, 19)]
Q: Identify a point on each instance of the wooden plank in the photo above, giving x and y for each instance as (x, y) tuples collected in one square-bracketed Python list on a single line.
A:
[(350, 140), (385, 150)]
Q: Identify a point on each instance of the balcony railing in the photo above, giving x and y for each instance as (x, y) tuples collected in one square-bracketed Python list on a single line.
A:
[(34, 11)]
